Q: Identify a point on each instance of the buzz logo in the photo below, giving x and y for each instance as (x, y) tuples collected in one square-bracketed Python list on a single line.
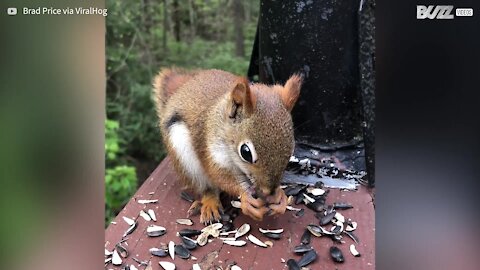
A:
[(434, 12)]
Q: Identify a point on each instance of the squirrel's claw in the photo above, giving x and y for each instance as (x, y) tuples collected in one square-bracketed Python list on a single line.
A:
[(194, 209), (211, 208), (278, 202), (255, 208)]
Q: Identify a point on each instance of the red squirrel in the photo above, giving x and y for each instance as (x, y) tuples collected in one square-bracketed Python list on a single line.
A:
[(225, 134)]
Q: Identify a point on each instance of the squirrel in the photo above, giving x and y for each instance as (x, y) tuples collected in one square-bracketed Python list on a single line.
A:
[(225, 134)]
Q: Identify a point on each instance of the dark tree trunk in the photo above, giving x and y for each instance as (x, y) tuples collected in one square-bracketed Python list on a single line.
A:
[(191, 13), (238, 14), (176, 20), (165, 25)]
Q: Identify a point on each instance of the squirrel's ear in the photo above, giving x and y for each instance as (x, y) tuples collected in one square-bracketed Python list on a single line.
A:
[(290, 92), (242, 98)]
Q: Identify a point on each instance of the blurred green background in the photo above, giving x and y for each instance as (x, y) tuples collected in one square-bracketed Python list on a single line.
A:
[(142, 37)]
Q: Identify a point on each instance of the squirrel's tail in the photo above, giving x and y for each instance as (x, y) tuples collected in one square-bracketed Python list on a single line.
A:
[(166, 83)]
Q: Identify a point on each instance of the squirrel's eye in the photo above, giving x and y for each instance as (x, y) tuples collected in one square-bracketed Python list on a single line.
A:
[(247, 152)]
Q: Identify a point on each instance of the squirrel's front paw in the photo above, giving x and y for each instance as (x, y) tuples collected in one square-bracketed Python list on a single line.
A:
[(278, 202), (255, 208), (211, 207)]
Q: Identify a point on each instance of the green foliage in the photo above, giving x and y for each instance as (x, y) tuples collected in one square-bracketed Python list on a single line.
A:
[(120, 180), (111, 140), (120, 185), (141, 40)]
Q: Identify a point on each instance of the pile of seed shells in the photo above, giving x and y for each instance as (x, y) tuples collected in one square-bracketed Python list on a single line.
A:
[(324, 168), (189, 239), (331, 223)]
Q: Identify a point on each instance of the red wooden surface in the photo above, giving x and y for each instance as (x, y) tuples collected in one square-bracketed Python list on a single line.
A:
[(171, 207)]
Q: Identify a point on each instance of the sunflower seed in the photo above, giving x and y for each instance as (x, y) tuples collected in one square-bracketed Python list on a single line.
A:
[(269, 243), (189, 232), (146, 201), (245, 228), (235, 267), (326, 219), (121, 250), (212, 228), (167, 265), (300, 213), (293, 191), (270, 231), (306, 237), (129, 221), (317, 206), (182, 252), (155, 230), (315, 191), (308, 198), (275, 236), (354, 251), (188, 243), (301, 249), (353, 236), (152, 214), (228, 238), (291, 208), (236, 204), (145, 215), (108, 253), (185, 221), (171, 249), (130, 229), (293, 159), (342, 205), (292, 265), (158, 252), (196, 266), (336, 254), (132, 267), (116, 259), (339, 217), (318, 230), (108, 260), (202, 239), (236, 243), (308, 258), (352, 226), (187, 197), (256, 241)]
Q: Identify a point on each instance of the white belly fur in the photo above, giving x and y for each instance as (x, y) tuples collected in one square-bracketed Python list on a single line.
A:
[(181, 142)]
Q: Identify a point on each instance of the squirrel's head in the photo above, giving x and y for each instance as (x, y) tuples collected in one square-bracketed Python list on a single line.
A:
[(259, 131)]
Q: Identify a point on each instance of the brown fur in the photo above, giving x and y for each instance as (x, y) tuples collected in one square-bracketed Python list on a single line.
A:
[(219, 107)]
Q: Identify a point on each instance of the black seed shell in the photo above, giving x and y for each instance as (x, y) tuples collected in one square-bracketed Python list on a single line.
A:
[(336, 254), (159, 252), (342, 205), (308, 258), (189, 232), (301, 249), (271, 235), (306, 237), (182, 252), (189, 244), (292, 265), (326, 219)]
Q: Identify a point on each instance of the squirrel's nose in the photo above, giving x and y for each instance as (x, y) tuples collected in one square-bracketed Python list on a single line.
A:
[(268, 190)]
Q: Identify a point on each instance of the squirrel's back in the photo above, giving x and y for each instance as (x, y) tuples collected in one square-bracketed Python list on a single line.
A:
[(189, 93)]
